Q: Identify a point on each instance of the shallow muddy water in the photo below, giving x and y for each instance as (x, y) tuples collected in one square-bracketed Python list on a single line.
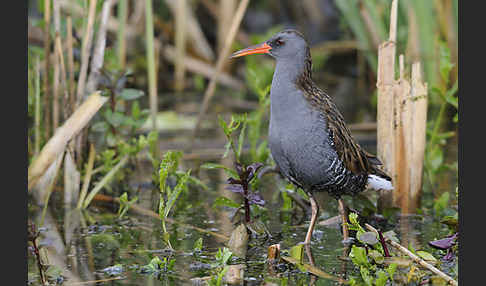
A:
[(84, 244)]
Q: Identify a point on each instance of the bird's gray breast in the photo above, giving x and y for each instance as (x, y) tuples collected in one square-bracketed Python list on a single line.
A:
[(299, 140)]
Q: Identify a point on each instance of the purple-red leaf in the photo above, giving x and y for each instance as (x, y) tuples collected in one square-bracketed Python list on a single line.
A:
[(234, 181), (255, 198), (252, 170), (236, 188), (239, 169), (444, 243), (449, 256)]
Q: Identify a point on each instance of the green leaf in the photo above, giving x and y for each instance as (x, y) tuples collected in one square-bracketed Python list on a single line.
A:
[(435, 157), (241, 138), (353, 219), (365, 274), (297, 252), (181, 185), (426, 256), (136, 110), (358, 256), (222, 256), (227, 148), (198, 244), (440, 204), (287, 202), (161, 207), (229, 172), (449, 96), (445, 64), (168, 166), (223, 201), (391, 270), (131, 94), (368, 238), (224, 125), (381, 279), (376, 256), (100, 126), (115, 119)]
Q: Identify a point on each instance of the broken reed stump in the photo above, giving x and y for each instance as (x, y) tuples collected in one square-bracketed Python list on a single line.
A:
[(401, 125)]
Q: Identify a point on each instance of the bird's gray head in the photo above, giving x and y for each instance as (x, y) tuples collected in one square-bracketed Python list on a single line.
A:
[(287, 44)]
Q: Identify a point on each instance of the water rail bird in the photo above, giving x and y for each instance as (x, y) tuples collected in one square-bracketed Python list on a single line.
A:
[(308, 138)]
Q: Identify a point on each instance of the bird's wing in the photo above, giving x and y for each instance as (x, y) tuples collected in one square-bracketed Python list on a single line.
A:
[(350, 153)]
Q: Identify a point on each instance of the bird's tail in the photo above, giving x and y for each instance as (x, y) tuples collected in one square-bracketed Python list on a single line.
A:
[(378, 179), (379, 183)]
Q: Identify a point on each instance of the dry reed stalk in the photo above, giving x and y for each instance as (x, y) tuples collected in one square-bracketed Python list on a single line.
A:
[(401, 110), (85, 49), (46, 183), (417, 259), (106, 179), (63, 134), (60, 58), (87, 176), (240, 11), (413, 41), (72, 179), (213, 9), (410, 120), (149, 46), (402, 119), (47, 43), (417, 134), (57, 65), (70, 58), (55, 92), (226, 13), (180, 43), (204, 69), (37, 108), (225, 16), (195, 35), (385, 112), (99, 48), (89, 86)]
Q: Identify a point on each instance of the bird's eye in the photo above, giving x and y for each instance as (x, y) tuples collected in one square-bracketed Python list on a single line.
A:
[(279, 42)]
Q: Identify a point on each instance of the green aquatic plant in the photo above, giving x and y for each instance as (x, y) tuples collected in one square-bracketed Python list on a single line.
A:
[(168, 195), (158, 266), (123, 116), (170, 192), (369, 256), (243, 176), (125, 204), (446, 94), (220, 265)]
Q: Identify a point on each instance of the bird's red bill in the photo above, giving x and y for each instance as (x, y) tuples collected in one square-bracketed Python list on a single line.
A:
[(256, 49)]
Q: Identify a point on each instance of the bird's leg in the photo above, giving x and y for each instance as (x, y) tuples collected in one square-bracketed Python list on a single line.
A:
[(315, 211), (344, 218)]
